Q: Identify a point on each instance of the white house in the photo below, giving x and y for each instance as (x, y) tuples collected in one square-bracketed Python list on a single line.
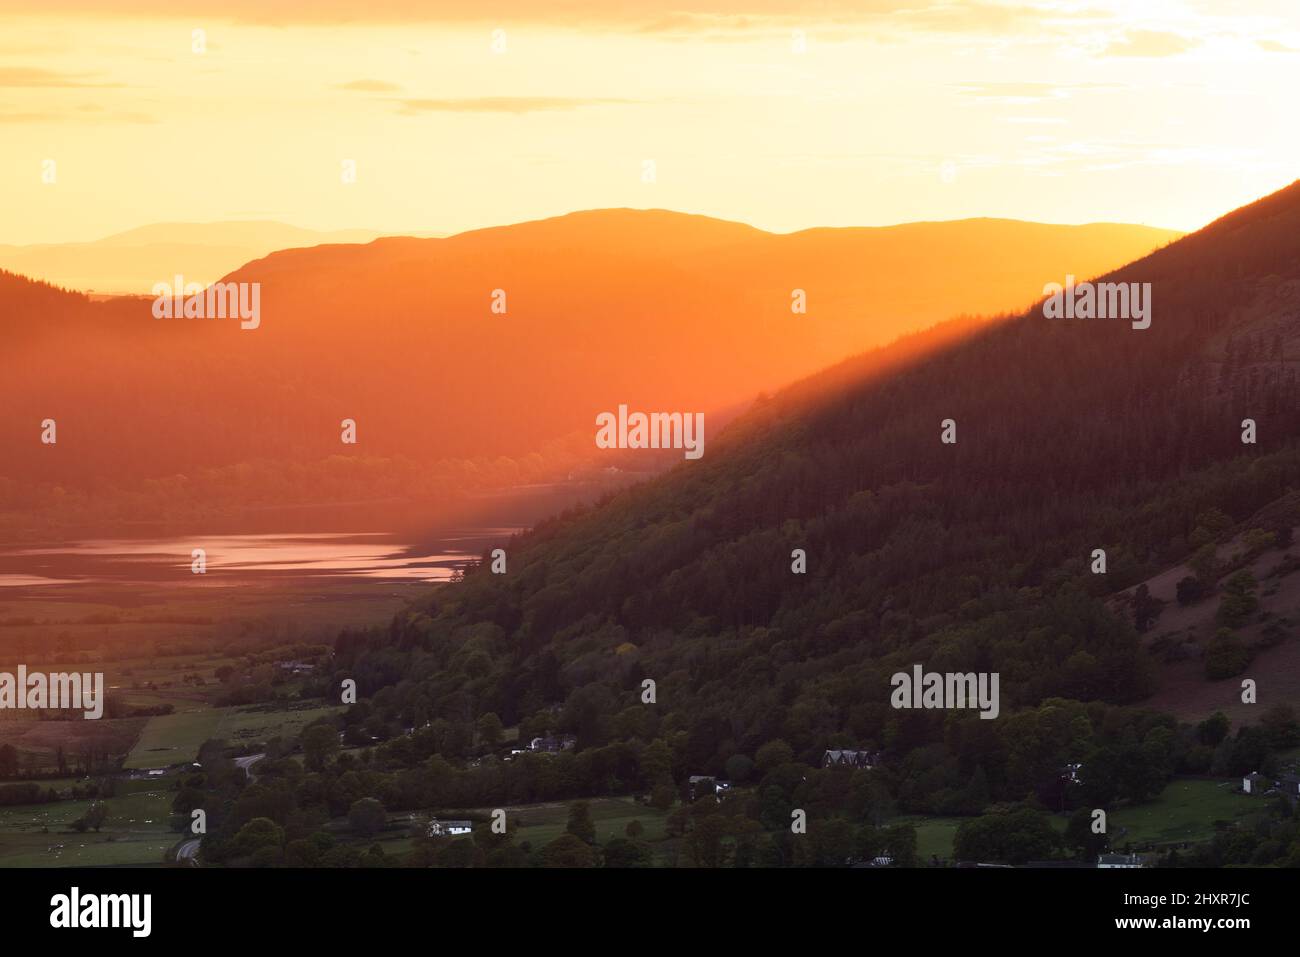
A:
[(1119, 860), (702, 784), (450, 828), (1254, 783)]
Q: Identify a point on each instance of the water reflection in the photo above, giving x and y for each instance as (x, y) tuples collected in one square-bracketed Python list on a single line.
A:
[(374, 555)]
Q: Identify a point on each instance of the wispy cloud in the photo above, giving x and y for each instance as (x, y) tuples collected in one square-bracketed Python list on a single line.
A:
[(1024, 92), (502, 104), (370, 86), (1151, 43), (34, 78), (679, 16), (557, 12), (80, 115)]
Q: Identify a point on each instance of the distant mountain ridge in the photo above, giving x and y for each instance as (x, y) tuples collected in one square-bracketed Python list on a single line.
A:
[(682, 311), (657, 310), (131, 262)]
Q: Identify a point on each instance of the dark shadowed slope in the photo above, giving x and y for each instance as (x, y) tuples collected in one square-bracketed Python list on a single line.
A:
[(1072, 436)]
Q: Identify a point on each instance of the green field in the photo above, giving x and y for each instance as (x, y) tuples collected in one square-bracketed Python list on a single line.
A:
[(151, 641), (173, 738), (934, 836), (136, 832), (1185, 811), (133, 616), (539, 824)]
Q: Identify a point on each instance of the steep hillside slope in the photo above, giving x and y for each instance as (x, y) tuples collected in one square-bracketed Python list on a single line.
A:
[(1072, 435)]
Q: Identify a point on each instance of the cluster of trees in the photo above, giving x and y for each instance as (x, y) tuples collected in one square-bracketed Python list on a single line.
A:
[(93, 755), (711, 834), (1271, 840), (934, 765), (93, 819), (9, 761), (29, 792), (1229, 651)]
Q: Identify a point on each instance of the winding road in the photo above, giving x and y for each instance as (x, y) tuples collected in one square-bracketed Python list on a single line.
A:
[(188, 851), (247, 763)]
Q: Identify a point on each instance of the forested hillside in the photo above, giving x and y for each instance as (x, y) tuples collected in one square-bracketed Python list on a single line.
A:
[(1072, 435)]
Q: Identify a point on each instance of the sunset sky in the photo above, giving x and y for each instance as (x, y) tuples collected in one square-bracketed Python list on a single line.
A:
[(1168, 112)]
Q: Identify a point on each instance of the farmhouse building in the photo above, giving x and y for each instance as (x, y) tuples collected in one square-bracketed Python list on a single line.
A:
[(553, 744), (702, 784), (1254, 783), (450, 828)]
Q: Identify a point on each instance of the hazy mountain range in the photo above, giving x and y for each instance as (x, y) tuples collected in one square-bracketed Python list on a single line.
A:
[(131, 262), (661, 311)]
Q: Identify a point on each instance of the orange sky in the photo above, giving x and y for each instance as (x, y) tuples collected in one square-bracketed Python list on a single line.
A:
[(1165, 112)]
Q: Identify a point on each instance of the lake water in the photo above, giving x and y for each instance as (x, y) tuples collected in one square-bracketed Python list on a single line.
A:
[(241, 558)]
